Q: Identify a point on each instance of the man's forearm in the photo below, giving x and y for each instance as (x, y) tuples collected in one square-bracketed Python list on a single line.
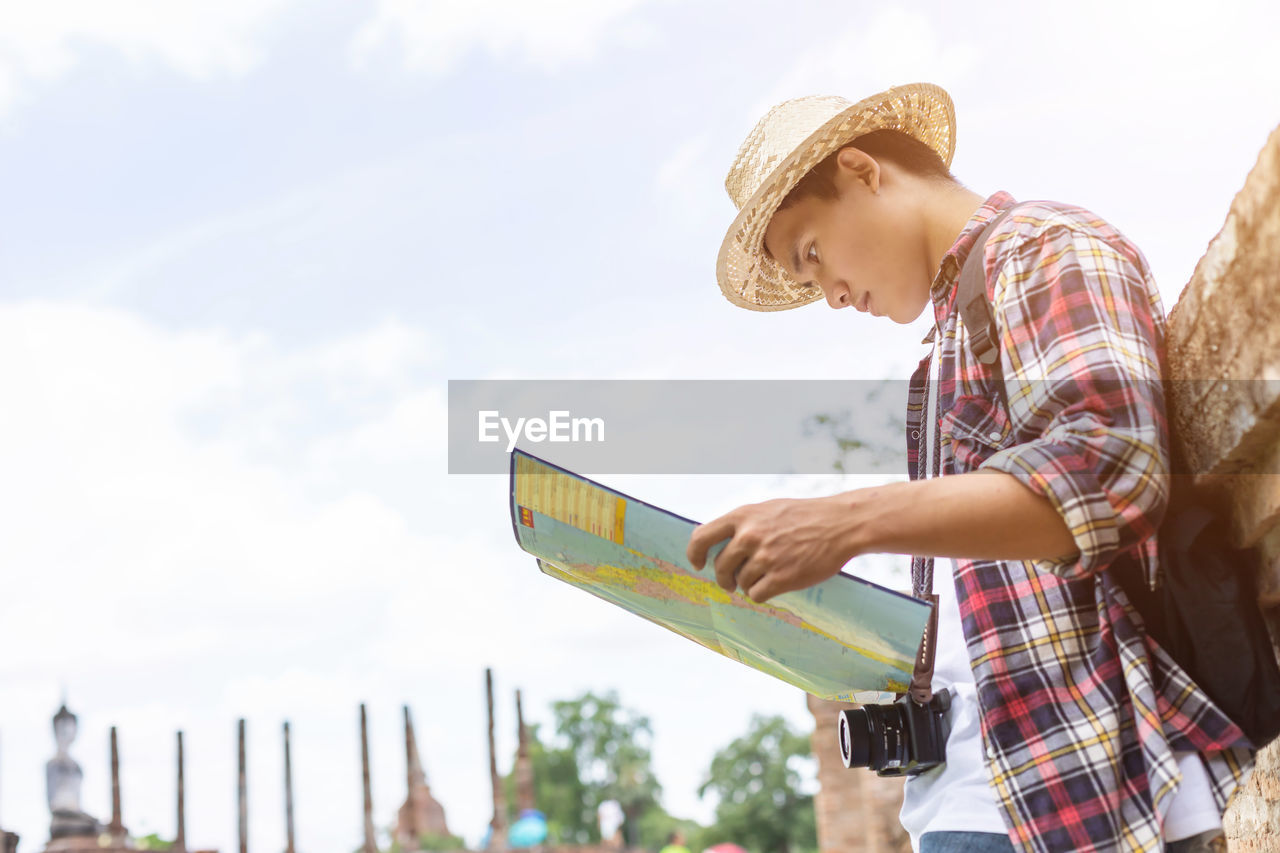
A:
[(788, 544), (985, 515)]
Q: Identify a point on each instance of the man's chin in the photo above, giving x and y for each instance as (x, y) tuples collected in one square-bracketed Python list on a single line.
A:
[(907, 318)]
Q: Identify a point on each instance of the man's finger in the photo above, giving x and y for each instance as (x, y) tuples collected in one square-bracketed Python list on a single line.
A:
[(729, 561), (706, 535), (764, 589), (749, 574)]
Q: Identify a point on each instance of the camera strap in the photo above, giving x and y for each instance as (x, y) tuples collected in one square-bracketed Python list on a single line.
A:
[(921, 689), (928, 459), (977, 317)]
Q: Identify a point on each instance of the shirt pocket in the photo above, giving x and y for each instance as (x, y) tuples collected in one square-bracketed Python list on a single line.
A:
[(974, 429)]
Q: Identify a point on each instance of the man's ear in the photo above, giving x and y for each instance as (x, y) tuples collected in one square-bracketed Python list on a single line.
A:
[(857, 166)]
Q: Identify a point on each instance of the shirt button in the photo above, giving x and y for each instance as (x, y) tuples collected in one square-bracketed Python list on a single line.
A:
[(991, 752), (995, 436), (915, 433)]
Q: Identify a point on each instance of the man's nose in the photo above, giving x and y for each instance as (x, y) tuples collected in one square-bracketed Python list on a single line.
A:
[(838, 295)]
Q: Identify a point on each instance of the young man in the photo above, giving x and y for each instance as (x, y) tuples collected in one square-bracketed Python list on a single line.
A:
[(1071, 730)]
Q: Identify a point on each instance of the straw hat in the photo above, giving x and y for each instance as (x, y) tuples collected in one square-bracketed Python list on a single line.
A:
[(791, 139)]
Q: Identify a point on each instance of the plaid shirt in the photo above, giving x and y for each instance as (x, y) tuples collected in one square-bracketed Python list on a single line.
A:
[(1080, 710)]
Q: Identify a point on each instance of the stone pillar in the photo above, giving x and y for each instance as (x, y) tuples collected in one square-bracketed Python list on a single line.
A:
[(857, 810), (242, 794), (288, 793), (116, 827), (525, 794), (497, 826), (370, 846), (180, 839)]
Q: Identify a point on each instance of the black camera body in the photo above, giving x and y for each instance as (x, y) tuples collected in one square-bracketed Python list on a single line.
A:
[(900, 739)]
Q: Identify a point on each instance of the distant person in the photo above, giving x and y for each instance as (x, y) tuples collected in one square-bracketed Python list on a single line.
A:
[(675, 843), (611, 818), (1070, 728)]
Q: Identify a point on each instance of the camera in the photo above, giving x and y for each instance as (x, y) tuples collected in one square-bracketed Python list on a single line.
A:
[(900, 739)]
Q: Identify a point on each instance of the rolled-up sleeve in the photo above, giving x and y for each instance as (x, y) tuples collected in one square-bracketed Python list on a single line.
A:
[(1080, 351)]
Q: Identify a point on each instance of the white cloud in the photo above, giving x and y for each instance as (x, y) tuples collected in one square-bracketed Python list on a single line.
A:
[(113, 492), (41, 42), (434, 35)]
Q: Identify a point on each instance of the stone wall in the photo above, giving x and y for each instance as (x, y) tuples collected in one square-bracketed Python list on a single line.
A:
[(1224, 358)]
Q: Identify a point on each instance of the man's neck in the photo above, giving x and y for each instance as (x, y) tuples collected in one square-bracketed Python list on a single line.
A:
[(947, 211)]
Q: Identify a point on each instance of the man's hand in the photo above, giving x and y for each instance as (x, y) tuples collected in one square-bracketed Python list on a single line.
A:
[(784, 545), (779, 545)]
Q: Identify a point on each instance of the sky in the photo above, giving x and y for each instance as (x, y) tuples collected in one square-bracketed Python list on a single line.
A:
[(247, 243)]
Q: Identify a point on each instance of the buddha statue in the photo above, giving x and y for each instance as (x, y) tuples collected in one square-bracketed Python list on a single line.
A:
[(63, 777)]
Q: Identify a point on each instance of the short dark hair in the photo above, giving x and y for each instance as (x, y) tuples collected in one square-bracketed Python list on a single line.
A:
[(903, 150)]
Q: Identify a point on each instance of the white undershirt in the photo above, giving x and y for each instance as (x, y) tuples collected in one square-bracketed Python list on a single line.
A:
[(957, 796)]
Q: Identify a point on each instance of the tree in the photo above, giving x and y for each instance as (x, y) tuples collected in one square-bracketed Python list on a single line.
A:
[(559, 792), (611, 748), (757, 783), (600, 751), (427, 841), (868, 437)]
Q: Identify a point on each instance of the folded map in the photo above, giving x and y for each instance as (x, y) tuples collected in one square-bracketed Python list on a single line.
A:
[(845, 639)]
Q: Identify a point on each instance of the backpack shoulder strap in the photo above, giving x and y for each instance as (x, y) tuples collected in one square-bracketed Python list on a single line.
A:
[(975, 307)]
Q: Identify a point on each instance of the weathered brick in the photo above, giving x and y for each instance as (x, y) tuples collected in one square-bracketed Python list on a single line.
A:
[(1254, 815), (1269, 572), (1253, 497), (857, 811), (1223, 328)]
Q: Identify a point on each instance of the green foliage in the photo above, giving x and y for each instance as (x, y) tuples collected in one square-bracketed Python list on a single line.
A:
[(867, 442), (600, 751), (756, 781), (430, 841), (611, 746), (558, 791), (152, 842), (656, 826)]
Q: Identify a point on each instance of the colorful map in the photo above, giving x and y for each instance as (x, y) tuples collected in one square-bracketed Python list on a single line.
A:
[(845, 639)]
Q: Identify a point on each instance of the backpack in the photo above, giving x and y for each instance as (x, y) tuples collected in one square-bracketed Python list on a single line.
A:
[(1205, 612)]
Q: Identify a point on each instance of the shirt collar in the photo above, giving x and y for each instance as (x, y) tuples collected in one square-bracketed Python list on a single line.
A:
[(942, 290)]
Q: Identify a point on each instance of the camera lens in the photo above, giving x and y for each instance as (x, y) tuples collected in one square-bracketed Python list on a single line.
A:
[(855, 737)]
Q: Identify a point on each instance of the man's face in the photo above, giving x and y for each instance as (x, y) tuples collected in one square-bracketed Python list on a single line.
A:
[(864, 250)]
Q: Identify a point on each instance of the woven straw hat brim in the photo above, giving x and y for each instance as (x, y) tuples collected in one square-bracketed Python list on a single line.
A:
[(747, 276)]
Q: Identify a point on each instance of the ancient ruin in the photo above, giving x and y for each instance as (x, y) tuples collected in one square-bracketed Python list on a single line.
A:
[(421, 814)]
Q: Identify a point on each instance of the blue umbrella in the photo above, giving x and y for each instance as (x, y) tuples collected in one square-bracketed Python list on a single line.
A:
[(529, 830)]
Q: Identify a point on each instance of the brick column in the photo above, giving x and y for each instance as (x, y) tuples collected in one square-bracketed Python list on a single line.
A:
[(857, 810), (1224, 339)]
